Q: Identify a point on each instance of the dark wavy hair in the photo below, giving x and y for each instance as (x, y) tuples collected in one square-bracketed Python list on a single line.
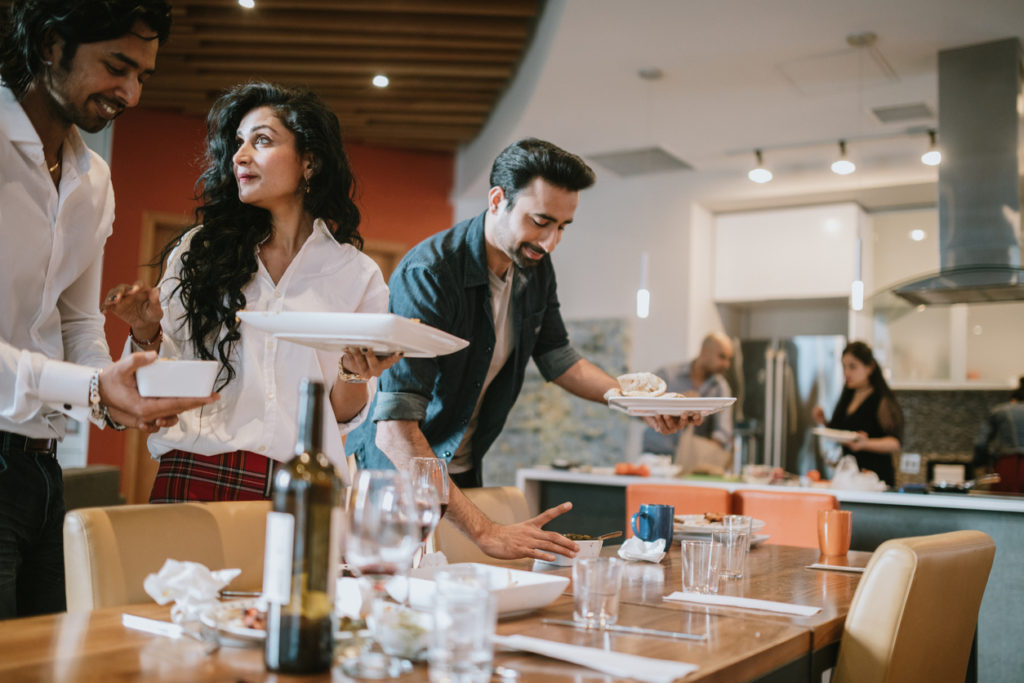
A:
[(221, 258), (30, 22), (889, 414), (529, 158)]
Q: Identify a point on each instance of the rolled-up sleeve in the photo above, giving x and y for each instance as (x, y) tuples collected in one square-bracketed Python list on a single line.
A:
[(553, 353), (400, 406), (555, 362)]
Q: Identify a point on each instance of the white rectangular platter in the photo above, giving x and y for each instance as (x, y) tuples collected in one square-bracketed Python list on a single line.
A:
[(639, 406), (385, 333)]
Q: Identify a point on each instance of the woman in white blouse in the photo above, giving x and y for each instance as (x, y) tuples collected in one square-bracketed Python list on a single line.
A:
[(276, 231)]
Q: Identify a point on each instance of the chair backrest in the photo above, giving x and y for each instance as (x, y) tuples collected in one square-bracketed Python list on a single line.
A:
[(915, 611), (790, 517), (109, 551), (687, 500), (502, 504)]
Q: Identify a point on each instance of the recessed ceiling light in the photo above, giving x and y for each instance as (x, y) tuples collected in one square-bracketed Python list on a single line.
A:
[(247, 4), (381, 81), (917, 234)]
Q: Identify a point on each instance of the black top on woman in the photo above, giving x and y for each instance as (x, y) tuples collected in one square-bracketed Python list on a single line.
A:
[(867, 406)]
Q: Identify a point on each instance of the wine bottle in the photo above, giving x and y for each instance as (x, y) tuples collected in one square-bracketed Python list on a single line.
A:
[(299, 570)]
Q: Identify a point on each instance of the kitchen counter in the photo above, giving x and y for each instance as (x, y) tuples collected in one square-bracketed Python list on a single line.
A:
[(599, 506)]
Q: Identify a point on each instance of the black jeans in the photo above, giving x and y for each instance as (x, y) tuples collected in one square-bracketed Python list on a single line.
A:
[(31, 534)]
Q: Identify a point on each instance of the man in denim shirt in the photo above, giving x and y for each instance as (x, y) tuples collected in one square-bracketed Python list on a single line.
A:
[(488, 280)]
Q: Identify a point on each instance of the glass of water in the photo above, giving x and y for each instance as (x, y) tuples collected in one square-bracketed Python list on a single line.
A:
[(464, 616), (595, 587)]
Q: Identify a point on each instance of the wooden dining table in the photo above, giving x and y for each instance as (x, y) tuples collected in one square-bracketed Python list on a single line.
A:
[(739, 644)]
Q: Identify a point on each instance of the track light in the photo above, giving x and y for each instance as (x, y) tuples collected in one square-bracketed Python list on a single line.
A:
[(933, 157), (842, 165), (759, 174)]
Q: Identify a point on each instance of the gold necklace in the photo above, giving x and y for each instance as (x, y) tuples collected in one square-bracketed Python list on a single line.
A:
[(55, 166)]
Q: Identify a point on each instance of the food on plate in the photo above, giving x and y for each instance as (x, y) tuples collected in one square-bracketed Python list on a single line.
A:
[(814, 475), (578, 537), (713, 516), (632, 469), (254, 617), (641, 384)]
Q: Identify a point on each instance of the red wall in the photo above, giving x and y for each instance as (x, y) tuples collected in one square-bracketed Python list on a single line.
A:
[(403, 197)]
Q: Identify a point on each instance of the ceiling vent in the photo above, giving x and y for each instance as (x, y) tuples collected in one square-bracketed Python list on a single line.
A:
[(903, 112), (632, 162)]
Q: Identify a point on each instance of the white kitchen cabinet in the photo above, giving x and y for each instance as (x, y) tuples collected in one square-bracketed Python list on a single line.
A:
[(799, 253)]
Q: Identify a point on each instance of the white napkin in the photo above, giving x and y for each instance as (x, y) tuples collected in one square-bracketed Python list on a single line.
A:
[(437, 559), (836, 568), (191, 586), (614, 663), (748, 603), (646, 551)]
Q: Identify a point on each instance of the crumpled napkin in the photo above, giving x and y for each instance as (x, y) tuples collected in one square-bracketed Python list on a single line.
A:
[(639, 550), (191, 586)]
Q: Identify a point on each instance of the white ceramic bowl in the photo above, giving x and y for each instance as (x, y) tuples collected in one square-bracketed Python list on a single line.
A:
[(516, 590), (587, 549), (177, 378)]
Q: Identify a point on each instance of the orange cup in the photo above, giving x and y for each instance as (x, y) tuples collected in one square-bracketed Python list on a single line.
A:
[(834, 530)]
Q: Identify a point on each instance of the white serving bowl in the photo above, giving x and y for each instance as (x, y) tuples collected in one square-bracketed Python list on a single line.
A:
[(587, 549), (516, 590), (177, 378)]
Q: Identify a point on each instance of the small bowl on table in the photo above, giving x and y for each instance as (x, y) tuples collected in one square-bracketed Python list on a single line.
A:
[(177, 378), (588, 548)]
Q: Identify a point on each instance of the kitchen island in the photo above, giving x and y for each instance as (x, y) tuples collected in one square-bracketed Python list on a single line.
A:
[(599, 506)]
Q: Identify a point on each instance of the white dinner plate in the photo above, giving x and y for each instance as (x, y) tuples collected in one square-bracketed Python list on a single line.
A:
[(838, 435), (385, 333), (639, 406), (227, 619), (517, 591), (698, 524)]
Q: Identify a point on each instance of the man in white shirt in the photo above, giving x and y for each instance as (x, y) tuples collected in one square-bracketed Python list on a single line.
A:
[(64, 64)]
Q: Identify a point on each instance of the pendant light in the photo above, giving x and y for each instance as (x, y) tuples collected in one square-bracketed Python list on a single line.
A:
[(933, 157), (759, 174), (843, 165), (643, 295)]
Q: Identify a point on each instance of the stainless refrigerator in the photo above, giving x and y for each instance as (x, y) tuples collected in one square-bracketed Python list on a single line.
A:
[(777, 383)]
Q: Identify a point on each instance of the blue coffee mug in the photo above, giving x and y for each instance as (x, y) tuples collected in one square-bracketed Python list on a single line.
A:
[(653, 522)]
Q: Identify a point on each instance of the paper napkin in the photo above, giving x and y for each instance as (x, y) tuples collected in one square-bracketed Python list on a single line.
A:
[(646, 551), (836, 568), (617, 664), (747, 603), (191, 586)]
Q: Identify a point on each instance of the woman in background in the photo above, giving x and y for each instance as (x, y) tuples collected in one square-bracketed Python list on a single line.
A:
[(1000, 443), (867, 406), (276, 231)]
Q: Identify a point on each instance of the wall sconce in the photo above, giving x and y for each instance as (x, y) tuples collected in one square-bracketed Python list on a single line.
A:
[(759, 174), (842, 165), (933, 157)]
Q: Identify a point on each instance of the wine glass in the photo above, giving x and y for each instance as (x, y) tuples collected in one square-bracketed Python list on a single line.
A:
[(430, 495), (382, 538)]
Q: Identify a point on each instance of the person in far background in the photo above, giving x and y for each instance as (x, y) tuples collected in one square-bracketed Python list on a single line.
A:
[(867, 406), (703, 376), (1000, 442), (278, 231)]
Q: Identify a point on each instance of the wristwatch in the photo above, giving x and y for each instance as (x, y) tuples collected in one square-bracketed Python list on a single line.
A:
[(98, 413)]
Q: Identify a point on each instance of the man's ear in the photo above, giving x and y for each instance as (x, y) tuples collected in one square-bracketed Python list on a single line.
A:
[(51, 48), (495, 198)]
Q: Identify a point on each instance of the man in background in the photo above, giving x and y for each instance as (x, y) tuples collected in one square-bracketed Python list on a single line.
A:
[(704, 377), (64, 65)]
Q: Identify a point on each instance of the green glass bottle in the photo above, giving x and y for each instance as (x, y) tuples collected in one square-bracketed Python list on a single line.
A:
[(300, 565)]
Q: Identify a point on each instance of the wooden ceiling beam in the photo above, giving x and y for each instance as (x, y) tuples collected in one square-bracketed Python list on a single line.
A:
[(260, 36), (249, 67), (350, 54), (506, 8)]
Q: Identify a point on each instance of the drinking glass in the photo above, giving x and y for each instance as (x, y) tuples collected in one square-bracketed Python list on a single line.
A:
[(734, 540), (383, 536), (596, 582), (430, 494)]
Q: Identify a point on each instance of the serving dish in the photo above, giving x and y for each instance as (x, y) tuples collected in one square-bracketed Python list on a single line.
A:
[(385, 333), (227, 618), (640, 406), (591, 548), (698, 524), (168, 378), (517, 591), (837, 435)]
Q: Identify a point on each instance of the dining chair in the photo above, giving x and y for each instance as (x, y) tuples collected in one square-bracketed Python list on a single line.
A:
[(503, 504), (915, 611), (790, 517), (109, 551), (687, 500)]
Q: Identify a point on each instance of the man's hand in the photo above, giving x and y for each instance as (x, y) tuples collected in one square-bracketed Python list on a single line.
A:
[(120, 394), (670, 424), (528, 539), (138, 305)]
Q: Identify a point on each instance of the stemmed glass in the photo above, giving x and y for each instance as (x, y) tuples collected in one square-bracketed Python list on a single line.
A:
[(383, 536), (430, 493)]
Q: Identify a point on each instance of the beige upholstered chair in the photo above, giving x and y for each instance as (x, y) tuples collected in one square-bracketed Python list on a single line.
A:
[(503, 504), (915, 611), (108, 551)]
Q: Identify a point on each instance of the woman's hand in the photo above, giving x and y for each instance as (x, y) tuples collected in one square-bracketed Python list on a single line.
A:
[(859, 443), (365, 363), (818, 414), (138, 305)]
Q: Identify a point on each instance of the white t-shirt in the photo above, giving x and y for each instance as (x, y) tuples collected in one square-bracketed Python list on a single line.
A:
[(258, 409), (501, 298), (51, 260)]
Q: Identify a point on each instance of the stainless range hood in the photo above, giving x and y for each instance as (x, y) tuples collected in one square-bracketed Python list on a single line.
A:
[(980, 128)]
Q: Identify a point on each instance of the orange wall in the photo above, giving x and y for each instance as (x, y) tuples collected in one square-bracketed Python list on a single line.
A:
[(403, 197)]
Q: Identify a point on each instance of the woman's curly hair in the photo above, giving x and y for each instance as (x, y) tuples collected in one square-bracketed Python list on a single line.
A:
[(221, 258)]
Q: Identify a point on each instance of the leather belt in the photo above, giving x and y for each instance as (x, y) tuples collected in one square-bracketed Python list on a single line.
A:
[(17, 442)]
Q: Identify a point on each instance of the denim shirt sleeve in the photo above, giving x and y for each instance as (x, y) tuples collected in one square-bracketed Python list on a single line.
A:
[(406, 387), (552, 352)]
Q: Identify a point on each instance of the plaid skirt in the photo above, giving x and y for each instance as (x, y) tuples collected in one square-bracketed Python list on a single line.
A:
[(186, 477)]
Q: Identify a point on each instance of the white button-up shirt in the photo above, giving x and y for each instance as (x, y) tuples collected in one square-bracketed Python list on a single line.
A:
[(258, 409), (51, 259)]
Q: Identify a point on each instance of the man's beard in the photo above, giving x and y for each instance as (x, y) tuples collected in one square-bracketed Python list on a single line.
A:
[(521, 260), (77, 115)]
